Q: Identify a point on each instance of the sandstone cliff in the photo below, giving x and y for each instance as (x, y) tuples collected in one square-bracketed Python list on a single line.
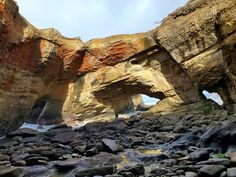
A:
[(44, 75)]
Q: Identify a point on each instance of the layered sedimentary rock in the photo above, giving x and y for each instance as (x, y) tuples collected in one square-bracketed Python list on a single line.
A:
[(45, 76)]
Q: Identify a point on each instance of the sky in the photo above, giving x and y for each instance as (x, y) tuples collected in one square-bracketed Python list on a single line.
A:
[(90, 19), (212, 96)]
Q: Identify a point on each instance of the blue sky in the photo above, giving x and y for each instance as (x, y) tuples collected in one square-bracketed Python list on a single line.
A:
[(90, 19), (97, 18)]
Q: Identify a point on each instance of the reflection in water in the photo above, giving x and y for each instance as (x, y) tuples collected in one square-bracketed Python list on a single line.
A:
[(35, 127), (150, 151), (124, 161)]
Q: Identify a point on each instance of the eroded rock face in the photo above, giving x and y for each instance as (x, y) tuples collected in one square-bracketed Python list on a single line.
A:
[(45, 76)]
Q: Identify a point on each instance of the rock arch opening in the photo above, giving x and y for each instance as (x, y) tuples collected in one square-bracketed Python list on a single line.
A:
[(142, 102), (214, 96), (149, 100)]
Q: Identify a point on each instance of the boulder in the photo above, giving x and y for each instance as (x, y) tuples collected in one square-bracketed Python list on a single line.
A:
[(24, 132), (8, 171), (90, 172), (231, 172), (211, 171), (110, 145)]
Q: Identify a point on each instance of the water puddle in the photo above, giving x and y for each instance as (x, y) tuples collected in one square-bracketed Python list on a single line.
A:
[(35, 127), (124, 161), (150, 151)]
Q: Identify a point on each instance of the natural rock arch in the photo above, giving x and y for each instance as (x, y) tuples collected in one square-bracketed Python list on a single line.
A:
[(193, 49)]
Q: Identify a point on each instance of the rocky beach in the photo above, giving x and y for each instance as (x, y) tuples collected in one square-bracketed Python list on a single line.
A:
[(182, 144)]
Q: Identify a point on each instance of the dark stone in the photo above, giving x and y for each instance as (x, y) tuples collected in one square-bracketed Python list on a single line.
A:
[(34, 139), (153, 158), (20, 157), (219, 135), (110, 145), (64, 138), (211, 171), (136, 170), (54, 132), (53, 154), (23, 132), (90, 172), (181, 142), (19, 163), (231, 172), (36, 161), (91, 152), (200, 155), (4, 157), (190, 174), (127, 174), (79, 146), (8, 171), (159, 171), (166, 128), (216, 161), (58, 126), (80, 149), (65, 166)]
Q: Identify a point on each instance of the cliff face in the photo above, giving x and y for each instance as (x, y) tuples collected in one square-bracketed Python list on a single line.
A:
[(44, 75)]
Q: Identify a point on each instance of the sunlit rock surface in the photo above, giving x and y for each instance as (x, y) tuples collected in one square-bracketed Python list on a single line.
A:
[(47, 77)]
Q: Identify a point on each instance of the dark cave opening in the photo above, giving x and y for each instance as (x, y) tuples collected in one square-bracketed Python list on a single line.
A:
[(37, 109)]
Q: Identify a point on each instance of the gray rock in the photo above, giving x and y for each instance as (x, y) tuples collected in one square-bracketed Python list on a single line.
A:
[(211, 171), (8, 171), (215, 161), (224, 174), (4, 157), (231, 172), (58, 126), (5, 163), (36, 161), (90, 172), (110, 144), (159, 171), (199, 155), (220, 135), (23, 132), (233, 157), (66, 165), (171, 174), (63, 138), (53, 132), (127, 174), (179, 172), (91, 152), (15, 158), (190, 174), (19, 163), (136, 170)]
